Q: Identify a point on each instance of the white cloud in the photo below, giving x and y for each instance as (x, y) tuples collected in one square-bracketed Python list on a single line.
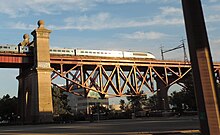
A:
[(215, 7), (213, 0), (214, 45), (21, 8), (99, 21), (171, 11), (22, 26), (121, 1), (160, 1), (104, 20), (213, 18), (215, 42), (139, 35), (18, 8), (168, 16)]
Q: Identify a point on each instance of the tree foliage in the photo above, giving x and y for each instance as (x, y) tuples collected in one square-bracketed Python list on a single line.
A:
[(99, 108), (122, 104), (152, 102), (185, 99), (8, 106), (60, 102), (136, 101)]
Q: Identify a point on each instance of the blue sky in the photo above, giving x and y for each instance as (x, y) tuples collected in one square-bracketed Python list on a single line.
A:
[(138, 25)]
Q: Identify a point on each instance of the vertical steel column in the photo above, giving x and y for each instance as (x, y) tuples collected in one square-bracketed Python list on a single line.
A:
[(67, 82), (202, 66), (118, 83)]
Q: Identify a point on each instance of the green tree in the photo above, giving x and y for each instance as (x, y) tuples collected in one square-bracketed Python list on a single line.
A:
[(152, 102), (8, 107), (122, 104), (60, 102), (99, 108), (185, 99), (136, 101)]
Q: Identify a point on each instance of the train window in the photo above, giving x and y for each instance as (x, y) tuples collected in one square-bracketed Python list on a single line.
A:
[(90, 52), (86, 51), (51, 50), (55, 50), (0, 46), (59, 50), (101, 52), (98, 52), (94, 52), (5, 47), (63, 50), (82, 52), (67, 51)]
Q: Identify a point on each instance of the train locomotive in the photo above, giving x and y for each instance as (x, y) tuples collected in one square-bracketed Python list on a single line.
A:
[(79, 52)]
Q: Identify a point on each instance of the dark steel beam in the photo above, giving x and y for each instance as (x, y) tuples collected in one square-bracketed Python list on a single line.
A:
[(202, 66)]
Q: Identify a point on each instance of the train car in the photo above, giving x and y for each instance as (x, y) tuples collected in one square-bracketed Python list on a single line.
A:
[(24, 49), (78, 52), (14, 49), (9, 48), (99, 53), (138, 55), (62, 51)]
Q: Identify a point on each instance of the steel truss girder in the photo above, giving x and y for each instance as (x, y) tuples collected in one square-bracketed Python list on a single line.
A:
[(118, 75), (115, 78)]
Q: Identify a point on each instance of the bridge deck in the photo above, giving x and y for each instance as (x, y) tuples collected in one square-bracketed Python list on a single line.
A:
[(15, 60)]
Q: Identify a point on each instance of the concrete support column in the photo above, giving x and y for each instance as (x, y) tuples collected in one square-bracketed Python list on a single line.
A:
[(162, 96)]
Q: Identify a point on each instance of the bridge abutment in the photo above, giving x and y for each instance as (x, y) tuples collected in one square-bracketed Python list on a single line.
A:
[(35, 95)]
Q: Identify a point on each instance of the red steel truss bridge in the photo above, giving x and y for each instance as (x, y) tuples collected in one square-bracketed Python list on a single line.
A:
[(114, 76), (108, 76)]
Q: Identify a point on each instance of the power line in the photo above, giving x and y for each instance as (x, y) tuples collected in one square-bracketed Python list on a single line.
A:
[(182, 45)]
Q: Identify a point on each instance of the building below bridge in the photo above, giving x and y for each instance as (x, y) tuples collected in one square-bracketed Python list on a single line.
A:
[(82, 105)]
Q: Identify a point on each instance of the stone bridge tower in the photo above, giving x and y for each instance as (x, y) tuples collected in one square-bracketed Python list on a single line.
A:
[(34, 95)]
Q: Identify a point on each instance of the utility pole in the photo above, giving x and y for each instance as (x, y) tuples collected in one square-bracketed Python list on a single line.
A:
[(184, 50), (202, 66), (182, 45), (161, 50)]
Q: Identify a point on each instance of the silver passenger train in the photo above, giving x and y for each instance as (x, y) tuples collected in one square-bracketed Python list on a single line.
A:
[(14, 49), (101, 53), (79, 52)]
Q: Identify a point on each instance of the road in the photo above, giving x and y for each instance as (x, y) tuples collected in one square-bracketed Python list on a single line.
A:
[(121, 127)]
